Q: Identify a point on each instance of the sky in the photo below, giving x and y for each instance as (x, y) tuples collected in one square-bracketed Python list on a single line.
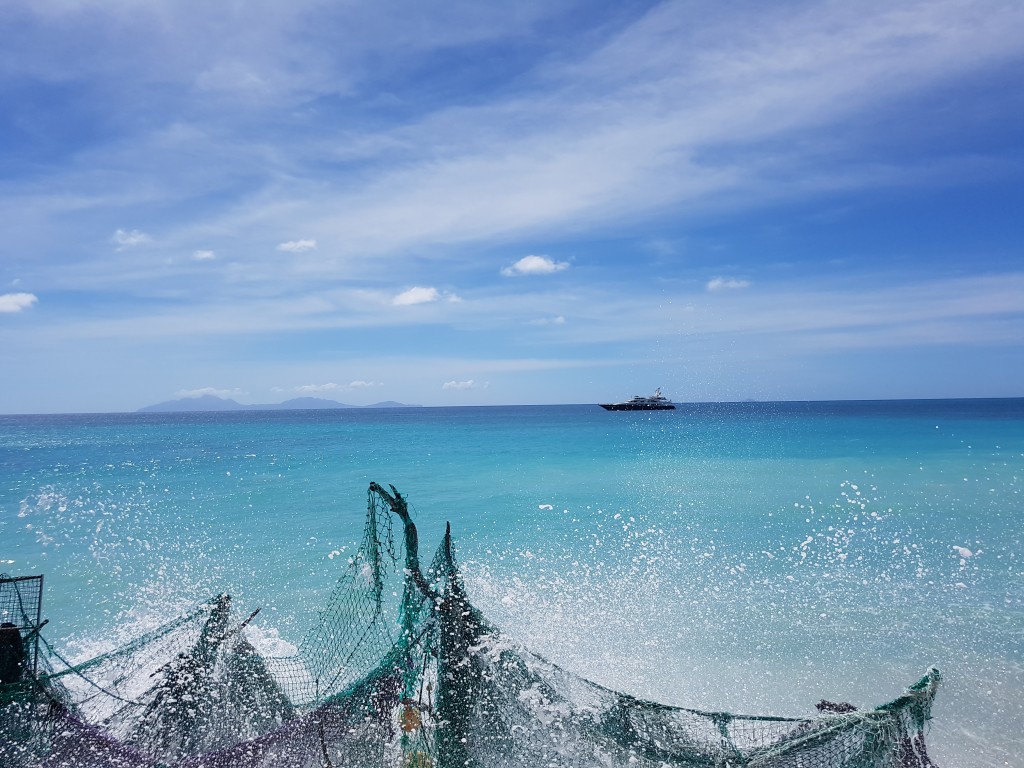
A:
[(466, 203)]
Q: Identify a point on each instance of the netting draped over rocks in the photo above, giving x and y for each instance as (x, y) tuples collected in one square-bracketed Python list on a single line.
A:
[(399, 669)]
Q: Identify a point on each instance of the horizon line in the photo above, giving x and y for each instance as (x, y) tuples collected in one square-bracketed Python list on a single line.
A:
[(245, 408)]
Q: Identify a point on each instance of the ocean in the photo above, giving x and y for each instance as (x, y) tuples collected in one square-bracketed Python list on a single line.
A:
[(749, 557)]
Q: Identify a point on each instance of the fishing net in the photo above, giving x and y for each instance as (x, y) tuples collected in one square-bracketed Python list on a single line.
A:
[(400, 670)]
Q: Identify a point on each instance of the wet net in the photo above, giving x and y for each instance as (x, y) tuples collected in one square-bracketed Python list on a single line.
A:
[(400, 670)]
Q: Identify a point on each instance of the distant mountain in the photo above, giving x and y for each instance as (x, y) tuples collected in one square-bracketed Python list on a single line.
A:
[(213, 403), (185, 404)]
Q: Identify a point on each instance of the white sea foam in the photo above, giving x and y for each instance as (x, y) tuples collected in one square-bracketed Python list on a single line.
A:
[(268, 641)]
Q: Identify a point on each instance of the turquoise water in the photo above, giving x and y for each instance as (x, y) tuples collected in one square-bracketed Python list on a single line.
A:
[(753, 557)]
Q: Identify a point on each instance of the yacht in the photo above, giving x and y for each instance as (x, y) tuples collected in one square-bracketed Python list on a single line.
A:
[(655, 402)]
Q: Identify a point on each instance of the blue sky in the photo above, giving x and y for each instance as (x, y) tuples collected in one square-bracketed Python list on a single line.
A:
[(480, 203)]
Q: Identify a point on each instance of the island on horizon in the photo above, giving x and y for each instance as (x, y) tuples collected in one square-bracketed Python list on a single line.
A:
[(211, 403)]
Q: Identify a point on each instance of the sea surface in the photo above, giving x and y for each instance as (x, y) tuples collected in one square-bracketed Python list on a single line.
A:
[(749, 557)]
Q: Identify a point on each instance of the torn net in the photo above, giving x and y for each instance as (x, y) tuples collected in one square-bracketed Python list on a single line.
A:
[(399, 669)]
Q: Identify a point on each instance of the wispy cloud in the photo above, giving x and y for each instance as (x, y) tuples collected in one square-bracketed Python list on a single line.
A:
[(126, 239), (534, 265), (646, 122), (16, 302), (875, 308), (297, 246), (359, 384), (203, 255), (641, 122), (726, 284)]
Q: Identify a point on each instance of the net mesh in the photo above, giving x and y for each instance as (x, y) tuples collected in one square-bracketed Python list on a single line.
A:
[(399, 669)]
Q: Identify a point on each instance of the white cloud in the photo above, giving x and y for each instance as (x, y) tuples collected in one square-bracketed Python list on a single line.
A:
[(726, 284), (16, 302), (534, 265), (359, 384), (203, 255), (416, 295), (130, 239), (297, 246), (459, 385), (313, 389), (204, 391)]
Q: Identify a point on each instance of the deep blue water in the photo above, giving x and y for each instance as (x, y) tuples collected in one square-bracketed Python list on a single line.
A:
[(746, 556)]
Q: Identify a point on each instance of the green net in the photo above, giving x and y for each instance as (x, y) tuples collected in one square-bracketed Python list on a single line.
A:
[(399, 669)]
